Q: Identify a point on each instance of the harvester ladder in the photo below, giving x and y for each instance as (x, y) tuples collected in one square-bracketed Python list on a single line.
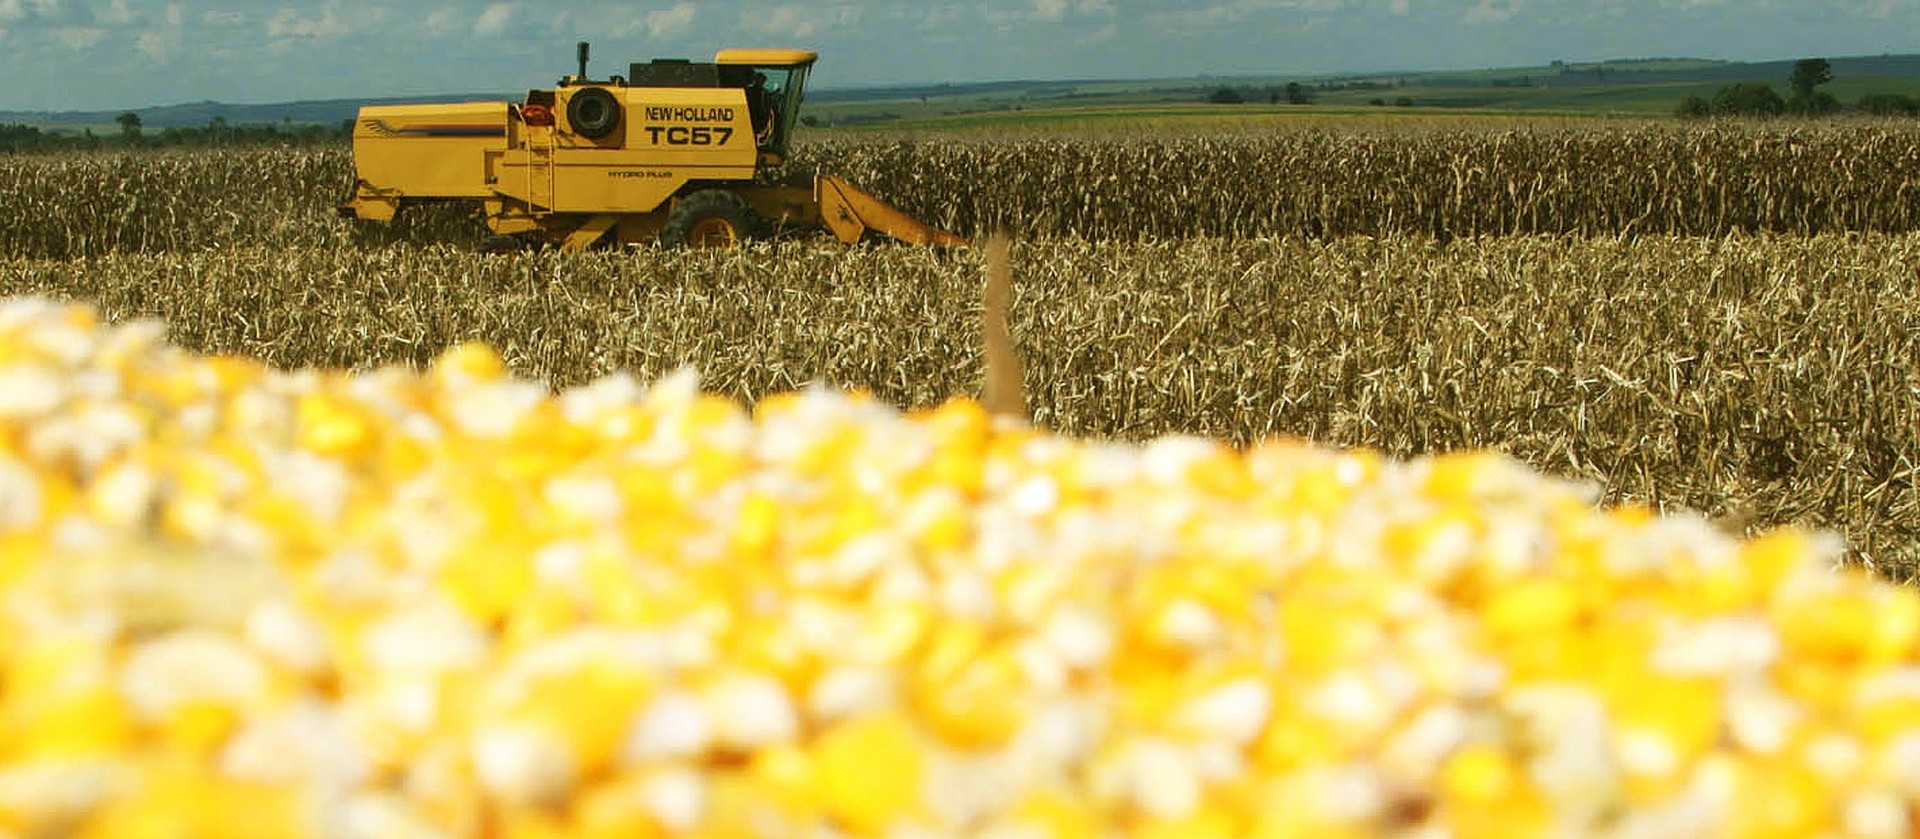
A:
[(540, 157)]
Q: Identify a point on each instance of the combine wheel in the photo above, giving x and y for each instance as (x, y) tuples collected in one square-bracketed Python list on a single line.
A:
[(713, 218), (503, 244)]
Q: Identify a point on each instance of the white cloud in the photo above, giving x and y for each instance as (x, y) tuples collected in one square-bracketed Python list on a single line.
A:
[(1101, 35), (161, 43), (442, 21), (14, 11), (1049, 10), (117, 13), (796, 21), (158, 44), (1493, 11), (494, 20), (792, 22), (290, 24), (78, 38), (671, 23)]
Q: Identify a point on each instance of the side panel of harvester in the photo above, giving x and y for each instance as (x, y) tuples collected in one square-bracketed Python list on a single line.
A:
[(667, 137), (411, 151)]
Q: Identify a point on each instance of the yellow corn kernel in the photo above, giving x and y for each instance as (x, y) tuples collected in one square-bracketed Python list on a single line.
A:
[(89, 721), (785, 773), (485, 582), (868, 772), (1895, 632), (613, 810), (980, 705), (529, 823), (1776, 801), (1531, 608), (541, 612), (331, 426), (1051, 814), (468, 362), (1204, 823), (755, 528), (675, 617), (1484, 795), (199, 727), (169, 801)]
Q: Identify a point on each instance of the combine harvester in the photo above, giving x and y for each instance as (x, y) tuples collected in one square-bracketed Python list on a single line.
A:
[(676, 152)]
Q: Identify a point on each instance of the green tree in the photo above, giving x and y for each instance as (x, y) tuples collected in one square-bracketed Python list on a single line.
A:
[(1694, 107), (1889, 104), (1298, 95), (1226, 96), (1818, 103), (1809, 73), (129, 125), (20, 137), (1748, 99)]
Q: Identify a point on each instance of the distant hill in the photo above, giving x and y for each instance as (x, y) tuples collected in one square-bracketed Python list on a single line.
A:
[(1663, 77)]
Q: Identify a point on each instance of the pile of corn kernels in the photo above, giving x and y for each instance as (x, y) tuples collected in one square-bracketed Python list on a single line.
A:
[(239, 602)]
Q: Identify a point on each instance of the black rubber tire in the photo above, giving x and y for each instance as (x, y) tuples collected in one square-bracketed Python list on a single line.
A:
[(593, 112), (498, 244), (693, 222)]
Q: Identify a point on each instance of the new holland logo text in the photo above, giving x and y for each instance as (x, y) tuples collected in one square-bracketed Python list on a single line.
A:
[(672, 113)]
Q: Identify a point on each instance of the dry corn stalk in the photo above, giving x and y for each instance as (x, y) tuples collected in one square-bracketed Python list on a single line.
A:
[(1004, 393)]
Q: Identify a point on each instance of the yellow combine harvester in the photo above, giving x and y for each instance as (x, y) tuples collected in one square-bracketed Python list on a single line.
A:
[(676, 152)]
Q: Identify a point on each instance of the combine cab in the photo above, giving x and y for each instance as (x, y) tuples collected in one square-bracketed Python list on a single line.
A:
[(675, 152)]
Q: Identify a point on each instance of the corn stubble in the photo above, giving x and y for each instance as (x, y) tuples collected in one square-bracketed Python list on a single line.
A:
[(1765, 379)]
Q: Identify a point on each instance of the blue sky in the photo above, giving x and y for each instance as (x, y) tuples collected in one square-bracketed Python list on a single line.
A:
[(105, 54)]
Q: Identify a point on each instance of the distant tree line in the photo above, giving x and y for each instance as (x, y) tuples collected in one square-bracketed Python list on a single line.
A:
[(218, 132), (1759, 98), (1294, 93)]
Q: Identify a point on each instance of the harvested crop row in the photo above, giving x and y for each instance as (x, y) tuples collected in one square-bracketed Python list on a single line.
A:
[(1769, 379), (1643, 179), (241, 603)]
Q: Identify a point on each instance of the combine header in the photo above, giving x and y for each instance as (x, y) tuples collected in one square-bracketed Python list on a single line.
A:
[(675, 152)]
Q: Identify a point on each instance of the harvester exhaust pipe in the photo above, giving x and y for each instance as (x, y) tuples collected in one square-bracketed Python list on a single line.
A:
[(583, 50)]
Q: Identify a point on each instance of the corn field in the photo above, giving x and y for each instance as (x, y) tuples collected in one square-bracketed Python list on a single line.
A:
[(1639, 179)]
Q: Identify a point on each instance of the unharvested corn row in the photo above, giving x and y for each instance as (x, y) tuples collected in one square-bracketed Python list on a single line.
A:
[(236, 602)]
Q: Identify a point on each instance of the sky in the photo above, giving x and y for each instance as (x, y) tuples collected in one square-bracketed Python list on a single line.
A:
[(110, 54)]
